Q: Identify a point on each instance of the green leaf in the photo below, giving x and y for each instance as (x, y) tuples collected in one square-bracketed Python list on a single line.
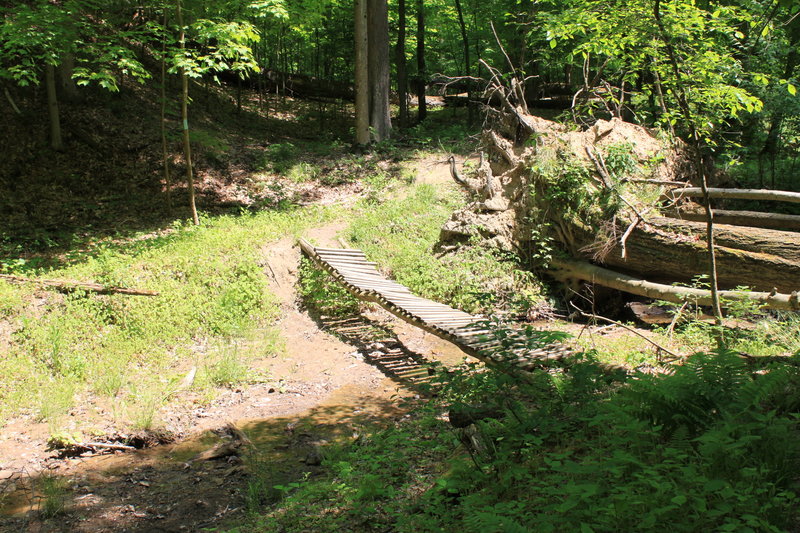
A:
[(553, 43), (680, 499), (792, 89)]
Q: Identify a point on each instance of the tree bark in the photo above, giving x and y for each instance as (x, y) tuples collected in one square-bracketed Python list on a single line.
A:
[(754, 219), (69, 90), (52, 107), (740, 194), (660, 255), (361, 73), (400, 61), (187, 145), (565, 270), (164, 150), (783, 244), (378, 61), (467, 66), (422, 75), (72, 286)]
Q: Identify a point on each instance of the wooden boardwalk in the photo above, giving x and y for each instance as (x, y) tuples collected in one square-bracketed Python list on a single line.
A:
[(360, 277)]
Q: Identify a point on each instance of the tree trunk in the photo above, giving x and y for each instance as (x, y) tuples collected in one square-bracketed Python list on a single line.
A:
[(400, 60), (754, 219), (422, 76), (784, 244), (378, 63), (164, 147), (567, 270), (187, 146), (361, 73), (760, 259), (69, 90), (52, 107), (467, 69), (740, 194)]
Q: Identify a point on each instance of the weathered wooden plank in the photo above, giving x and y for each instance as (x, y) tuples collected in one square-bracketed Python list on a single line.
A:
[(349, 267)]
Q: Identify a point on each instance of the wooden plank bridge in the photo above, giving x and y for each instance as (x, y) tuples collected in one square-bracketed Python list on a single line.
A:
[(360, 277)]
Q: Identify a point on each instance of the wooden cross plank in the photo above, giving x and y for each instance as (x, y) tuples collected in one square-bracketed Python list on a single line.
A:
[(362, 279)]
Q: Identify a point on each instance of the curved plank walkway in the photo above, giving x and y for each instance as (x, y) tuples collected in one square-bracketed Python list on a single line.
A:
[(360, 277)]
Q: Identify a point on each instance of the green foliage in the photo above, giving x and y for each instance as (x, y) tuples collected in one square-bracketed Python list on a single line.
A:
[(211, 288), (627, 34), (39, 33), (223, 46), (709, 446), (323, 294), (401, 235)]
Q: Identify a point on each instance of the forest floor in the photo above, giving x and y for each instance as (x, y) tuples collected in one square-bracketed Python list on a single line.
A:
[(331, 389), (244, 443)]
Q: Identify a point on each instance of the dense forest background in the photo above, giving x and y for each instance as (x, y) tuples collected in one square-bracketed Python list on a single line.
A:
[(735, 62), (160, 160)]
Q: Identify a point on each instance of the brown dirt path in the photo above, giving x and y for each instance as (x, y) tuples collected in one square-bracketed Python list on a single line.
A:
[(327, 388)]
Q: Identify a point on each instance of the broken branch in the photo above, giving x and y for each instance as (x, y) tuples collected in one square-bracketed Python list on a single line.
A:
[(71, 286)]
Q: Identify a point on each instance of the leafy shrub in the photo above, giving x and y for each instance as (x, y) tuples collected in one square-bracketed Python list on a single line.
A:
[(711, 446), (320, 292)]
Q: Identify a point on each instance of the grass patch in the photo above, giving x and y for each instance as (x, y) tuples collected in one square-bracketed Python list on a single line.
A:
[(400, 234), (211, 287), (53, 492), (709, 447)]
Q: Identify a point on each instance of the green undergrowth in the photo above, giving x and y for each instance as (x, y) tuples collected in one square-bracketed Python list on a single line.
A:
[(710, 446), (401, 235), (212, 313)]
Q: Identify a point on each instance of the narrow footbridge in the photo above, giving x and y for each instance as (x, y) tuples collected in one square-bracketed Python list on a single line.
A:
[(470, 333)]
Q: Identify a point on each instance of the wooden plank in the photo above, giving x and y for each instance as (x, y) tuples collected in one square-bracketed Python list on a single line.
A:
[(338, 250), (365, 282)]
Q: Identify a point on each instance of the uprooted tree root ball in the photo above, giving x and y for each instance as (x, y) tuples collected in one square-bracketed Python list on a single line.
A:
[(562, 198)]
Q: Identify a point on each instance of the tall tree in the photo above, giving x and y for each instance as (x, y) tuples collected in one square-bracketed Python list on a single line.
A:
[(465, 45), (400, 61), (378, 61), (361, 73), (422, 76), (187, 145)]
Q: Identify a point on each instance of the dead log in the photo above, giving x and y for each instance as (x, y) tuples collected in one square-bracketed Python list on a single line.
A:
[(72, 286), (755, 219), (739, 194), (784, 244), (568, 270), (661, 255)]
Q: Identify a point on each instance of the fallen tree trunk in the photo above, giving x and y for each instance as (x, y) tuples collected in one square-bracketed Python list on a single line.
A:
[(739, 194), (566, 270), (671, 255), (72, 286), (784, 244), (569, 192), (755, 219)]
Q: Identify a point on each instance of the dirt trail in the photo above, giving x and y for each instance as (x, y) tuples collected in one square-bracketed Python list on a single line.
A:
[(327, 388)]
